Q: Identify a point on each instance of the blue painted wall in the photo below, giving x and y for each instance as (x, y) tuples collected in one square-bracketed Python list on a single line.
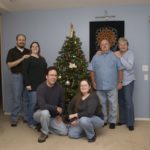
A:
[(51, 27)]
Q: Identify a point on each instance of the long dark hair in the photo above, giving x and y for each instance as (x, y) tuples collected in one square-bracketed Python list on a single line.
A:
[(78, 96), (38, 47)]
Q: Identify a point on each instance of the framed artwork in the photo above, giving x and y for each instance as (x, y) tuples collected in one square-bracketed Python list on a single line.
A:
[(99, 30)]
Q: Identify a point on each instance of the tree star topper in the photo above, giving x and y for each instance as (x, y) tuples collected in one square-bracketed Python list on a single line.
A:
[(71, 30)]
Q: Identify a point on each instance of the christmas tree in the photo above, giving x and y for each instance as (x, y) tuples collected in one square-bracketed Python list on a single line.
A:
[(71, 65)]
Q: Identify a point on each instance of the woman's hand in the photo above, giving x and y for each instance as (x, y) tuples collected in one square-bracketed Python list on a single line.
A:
[(118, 54), (99, 52), (29, 88), (73, 116)]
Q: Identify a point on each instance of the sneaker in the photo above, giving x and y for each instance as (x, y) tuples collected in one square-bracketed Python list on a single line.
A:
[(93, 139), (42, 138), (13, 123), (112, 125), (131, 128), (32, 126)]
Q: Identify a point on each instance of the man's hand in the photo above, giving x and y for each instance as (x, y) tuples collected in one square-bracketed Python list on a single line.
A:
[(94, 85), (119, 86), (17, 62), (25, 56)]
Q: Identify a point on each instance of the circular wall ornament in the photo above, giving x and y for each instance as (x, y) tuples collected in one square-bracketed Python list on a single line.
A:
[(108, 33)]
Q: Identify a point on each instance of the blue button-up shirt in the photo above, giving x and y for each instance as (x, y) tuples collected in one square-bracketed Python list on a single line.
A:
[(106, 68)]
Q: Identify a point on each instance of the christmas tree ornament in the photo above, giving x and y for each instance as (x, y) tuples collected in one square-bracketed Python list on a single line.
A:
[(67, 82), (72, 65), (59, 77)]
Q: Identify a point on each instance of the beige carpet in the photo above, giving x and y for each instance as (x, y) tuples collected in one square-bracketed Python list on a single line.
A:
[(24, 138)]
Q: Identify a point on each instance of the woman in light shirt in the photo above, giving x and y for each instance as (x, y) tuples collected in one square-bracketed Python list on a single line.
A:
[(125, 97)]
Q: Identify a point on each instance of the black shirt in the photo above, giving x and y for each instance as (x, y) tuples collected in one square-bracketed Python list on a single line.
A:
[(15, 54), (48, 98), (87, 108), (34, 71)]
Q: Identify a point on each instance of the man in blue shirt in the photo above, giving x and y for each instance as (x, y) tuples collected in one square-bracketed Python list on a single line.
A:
[(106, 74)]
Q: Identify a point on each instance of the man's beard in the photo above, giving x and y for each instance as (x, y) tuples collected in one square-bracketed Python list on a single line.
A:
[(21, 46)]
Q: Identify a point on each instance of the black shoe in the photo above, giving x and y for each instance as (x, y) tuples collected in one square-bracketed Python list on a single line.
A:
[(112, 125), (93, 139), (120, 124), (131, 128), (13, 123), (38, 127), (105, 124), (42, 138), (25, 121)]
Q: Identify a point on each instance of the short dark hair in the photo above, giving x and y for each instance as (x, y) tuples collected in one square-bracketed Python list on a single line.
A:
[(20, 34), (51, 68)]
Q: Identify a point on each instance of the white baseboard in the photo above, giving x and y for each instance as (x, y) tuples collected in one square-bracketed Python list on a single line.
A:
[(6, 113), (142, 119)]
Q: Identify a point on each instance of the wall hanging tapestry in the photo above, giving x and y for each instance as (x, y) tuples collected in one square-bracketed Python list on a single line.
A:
[(111, 30)]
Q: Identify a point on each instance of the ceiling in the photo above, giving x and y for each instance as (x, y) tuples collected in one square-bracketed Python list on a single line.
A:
[(26, 5)]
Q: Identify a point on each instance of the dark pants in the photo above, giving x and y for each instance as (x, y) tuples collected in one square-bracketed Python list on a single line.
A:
[(126, 108)]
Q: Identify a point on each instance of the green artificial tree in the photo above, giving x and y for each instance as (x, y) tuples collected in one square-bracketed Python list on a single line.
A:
[(71, 65)]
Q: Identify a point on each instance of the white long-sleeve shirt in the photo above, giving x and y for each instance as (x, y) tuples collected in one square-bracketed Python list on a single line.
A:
[(127, 61)]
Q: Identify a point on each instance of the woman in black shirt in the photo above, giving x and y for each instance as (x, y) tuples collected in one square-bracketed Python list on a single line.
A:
[(85, 113), (34, 73)]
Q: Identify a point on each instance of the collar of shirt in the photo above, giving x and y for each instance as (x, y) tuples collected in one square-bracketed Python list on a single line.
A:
[(105, 53), (20, 49)]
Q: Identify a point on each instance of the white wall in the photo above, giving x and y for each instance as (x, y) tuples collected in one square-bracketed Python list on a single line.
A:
[(51, 27)]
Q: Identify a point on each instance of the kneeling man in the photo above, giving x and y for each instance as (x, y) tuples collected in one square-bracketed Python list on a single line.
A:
[(50, 103)]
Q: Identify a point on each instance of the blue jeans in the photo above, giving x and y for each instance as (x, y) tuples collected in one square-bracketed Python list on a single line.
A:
[(126, 108), (49, 124), (112, 97), (25, 104), (86, 125), (30, 99), (17, 89)]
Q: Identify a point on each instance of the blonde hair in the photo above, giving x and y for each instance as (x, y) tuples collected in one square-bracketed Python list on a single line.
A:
[(123, 39)]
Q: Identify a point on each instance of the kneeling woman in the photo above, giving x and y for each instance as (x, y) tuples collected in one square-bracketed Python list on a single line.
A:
[(85, 113)]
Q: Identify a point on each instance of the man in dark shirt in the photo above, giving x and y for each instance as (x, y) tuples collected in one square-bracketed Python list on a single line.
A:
[(14, 61), (50, 104)]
